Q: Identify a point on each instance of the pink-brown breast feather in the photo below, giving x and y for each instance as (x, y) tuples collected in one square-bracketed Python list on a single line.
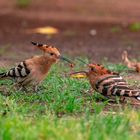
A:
[(39, 67)]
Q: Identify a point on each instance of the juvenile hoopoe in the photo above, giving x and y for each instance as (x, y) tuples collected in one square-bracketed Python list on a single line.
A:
[(108, 83), (33, 70), (130, 64)]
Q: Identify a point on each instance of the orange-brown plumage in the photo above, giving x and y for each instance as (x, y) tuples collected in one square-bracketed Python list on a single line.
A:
[(108, 83), (39, 66), (33, 70)]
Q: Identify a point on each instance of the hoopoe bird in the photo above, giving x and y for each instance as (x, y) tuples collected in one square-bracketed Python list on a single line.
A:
[(130, 64), (32, 71), (108, 83)]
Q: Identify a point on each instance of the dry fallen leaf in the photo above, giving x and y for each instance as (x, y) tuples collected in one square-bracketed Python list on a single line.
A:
[(44, 30), (79, 75)]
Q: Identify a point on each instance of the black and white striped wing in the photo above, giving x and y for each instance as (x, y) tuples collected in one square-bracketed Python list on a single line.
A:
[(109, 84), (19, 71), (115, 85)]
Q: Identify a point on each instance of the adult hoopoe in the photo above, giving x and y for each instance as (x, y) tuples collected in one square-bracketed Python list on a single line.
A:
[(130, 64), (33, 70), (108, 83)]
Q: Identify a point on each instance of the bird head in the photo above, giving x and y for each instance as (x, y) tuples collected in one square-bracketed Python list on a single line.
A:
[(95, 70), (51, 52), (98, 70)]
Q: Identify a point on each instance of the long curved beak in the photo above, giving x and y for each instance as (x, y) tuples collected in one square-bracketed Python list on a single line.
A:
[(82, 61), (65, 59)]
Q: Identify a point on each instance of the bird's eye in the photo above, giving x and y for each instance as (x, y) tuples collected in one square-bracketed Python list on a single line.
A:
[(94, 69), (51, 54)]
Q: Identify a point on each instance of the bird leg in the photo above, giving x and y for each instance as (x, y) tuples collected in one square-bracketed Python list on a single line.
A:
[(35, 88)]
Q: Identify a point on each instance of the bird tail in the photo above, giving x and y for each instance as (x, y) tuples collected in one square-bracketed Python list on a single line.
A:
[(3, 76), (138, 98), (127, 92), (136, 94)]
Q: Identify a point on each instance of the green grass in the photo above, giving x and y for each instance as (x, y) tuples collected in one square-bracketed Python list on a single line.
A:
[(62, 110)]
